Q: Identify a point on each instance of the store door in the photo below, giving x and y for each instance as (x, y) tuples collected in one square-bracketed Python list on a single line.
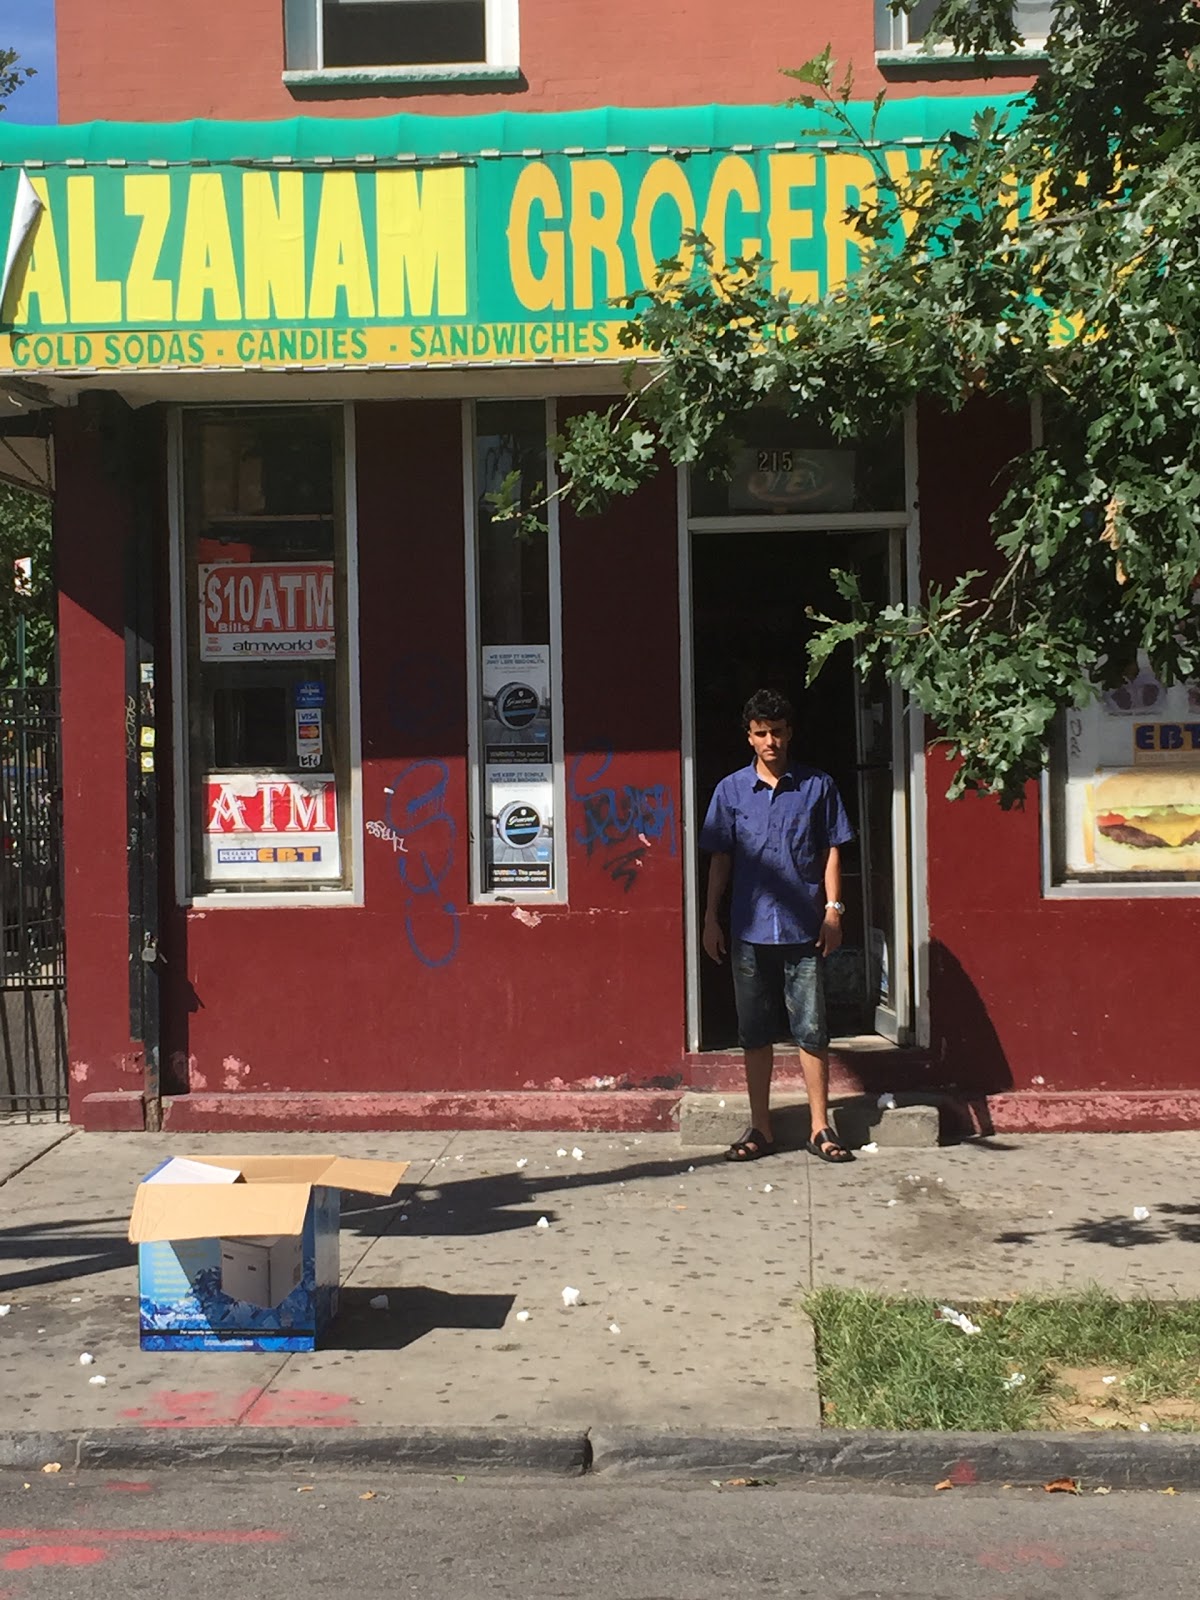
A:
[(752, 591)]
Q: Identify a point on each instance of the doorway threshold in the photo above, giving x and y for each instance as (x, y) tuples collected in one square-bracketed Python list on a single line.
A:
[(858, 1064)]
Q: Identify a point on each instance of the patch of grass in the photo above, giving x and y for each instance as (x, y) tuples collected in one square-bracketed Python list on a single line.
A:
[(889, 1363)]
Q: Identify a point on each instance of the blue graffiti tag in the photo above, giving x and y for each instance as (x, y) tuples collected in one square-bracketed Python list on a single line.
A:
[(416, 810), (616, 815)]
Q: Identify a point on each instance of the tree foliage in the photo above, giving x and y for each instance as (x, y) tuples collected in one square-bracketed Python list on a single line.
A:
[(12, 76), (25, 535), (1051, 255)]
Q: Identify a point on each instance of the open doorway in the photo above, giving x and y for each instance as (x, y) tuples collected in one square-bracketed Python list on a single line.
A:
[(752, 590)]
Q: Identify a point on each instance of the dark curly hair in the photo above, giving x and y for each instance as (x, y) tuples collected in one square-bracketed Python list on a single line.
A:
[(767, 705)]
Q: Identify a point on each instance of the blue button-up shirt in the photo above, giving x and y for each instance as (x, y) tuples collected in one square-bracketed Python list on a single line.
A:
[(778, 839)]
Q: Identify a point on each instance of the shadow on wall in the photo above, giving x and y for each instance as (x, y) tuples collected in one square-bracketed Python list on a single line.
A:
[(965, 1044)]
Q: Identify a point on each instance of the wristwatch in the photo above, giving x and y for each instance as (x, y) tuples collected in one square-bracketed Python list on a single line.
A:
[(835, 905)]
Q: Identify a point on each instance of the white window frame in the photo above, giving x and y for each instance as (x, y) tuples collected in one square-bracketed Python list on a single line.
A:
[(304, 51), (556, 896), (893, 45), (241, 899)]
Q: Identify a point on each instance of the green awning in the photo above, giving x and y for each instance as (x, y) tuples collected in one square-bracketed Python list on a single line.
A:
[(402, 241)]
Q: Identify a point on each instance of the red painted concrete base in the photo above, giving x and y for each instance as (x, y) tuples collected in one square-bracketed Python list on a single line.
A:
[(625, 1111), (1083, 1111), (117, 1111)]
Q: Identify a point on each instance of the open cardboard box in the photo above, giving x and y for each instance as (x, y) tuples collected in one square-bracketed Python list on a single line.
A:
[(259, 1225)]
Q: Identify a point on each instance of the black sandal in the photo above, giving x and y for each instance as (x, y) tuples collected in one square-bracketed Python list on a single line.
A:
[(827, 1147), (752, 1146)]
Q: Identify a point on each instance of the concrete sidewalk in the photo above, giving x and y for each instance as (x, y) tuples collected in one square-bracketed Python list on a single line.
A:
[(689, 1269)]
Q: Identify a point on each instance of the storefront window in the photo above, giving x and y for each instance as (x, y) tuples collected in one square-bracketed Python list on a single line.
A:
[(785, 467), (519, 765), (265, 658), (1124, 790)]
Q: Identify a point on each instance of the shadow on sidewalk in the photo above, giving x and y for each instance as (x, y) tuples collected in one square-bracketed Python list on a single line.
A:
[(412, 1312), (77, 1255), (1166, 1224), (490, 1204)]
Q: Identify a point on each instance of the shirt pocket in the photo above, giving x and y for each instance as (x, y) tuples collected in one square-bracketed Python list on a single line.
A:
[(803, 853)]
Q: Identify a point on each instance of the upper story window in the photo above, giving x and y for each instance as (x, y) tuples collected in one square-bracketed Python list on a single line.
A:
[(900, 33), (369, 41)]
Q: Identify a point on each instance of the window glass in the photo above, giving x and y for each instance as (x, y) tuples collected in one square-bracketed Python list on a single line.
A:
[(895, 30), (517, 743), (784, 468), (388, 33), (264, 573)]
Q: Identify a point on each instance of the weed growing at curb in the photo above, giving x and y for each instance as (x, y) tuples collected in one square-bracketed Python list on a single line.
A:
[(889, 1363)]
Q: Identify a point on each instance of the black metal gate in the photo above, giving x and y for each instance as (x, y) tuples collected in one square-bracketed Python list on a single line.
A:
[(33, 1022)]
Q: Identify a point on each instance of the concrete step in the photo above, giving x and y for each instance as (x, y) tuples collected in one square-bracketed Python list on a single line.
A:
[(718, 1119)]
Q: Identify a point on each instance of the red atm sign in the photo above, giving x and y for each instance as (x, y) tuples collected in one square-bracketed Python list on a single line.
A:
[(260, 611)]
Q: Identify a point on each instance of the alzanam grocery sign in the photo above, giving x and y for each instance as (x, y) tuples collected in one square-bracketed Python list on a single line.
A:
[(502, 258)]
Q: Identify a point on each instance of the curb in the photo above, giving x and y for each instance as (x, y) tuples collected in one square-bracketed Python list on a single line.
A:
[(1125, 1461), (1128, 1461), (562, 1451)]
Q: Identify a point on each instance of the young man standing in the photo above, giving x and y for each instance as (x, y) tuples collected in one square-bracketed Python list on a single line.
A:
[(777, 828)]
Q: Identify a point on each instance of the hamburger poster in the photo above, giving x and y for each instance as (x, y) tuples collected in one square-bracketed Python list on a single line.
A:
[(1132, 802)]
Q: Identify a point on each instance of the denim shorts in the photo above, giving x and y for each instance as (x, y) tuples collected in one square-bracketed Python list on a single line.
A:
[(771, 978)]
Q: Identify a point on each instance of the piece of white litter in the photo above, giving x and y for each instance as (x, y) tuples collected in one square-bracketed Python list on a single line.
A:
[(1144, 1426), (560, 1152), (957, 1319), (1111, 1379), (613, 1328), (720, 1105), (891, 1202), (99, 1380), (1039, 1080), (76, 1299), (570, 1297), (379, 1302), (522, 1163), (542, 1222), (871, 1149), (522, 1316), (768, 1187), (1014, 1380), (690, 1169), (4, 1310), (1141, 1213), (86, 1359), (887, 1102), (577, 1154)]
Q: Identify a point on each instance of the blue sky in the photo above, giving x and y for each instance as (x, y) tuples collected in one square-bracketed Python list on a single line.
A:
[(27, 26)]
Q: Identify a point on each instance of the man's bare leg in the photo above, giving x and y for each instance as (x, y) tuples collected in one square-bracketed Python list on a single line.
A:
[(759, 1064), (816, 1081)]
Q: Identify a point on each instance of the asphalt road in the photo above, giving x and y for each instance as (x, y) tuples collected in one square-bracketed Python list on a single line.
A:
[(288, 1535)]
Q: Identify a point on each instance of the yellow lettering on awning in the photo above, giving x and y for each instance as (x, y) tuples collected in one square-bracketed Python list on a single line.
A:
[(43, 274), (734, 176), (148, 298), (547, 290), (273, 244), (664, 180), (94, 300), (789, 224), (421, 242), (206, 265), (340, 254), (595, 232)]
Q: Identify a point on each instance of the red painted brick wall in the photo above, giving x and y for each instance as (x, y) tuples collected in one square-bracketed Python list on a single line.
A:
[(1028, 992), (92, 527), (418, 989), (143, 60)]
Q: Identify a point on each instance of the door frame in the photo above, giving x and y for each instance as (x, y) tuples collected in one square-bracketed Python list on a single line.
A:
[(908, 818)]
